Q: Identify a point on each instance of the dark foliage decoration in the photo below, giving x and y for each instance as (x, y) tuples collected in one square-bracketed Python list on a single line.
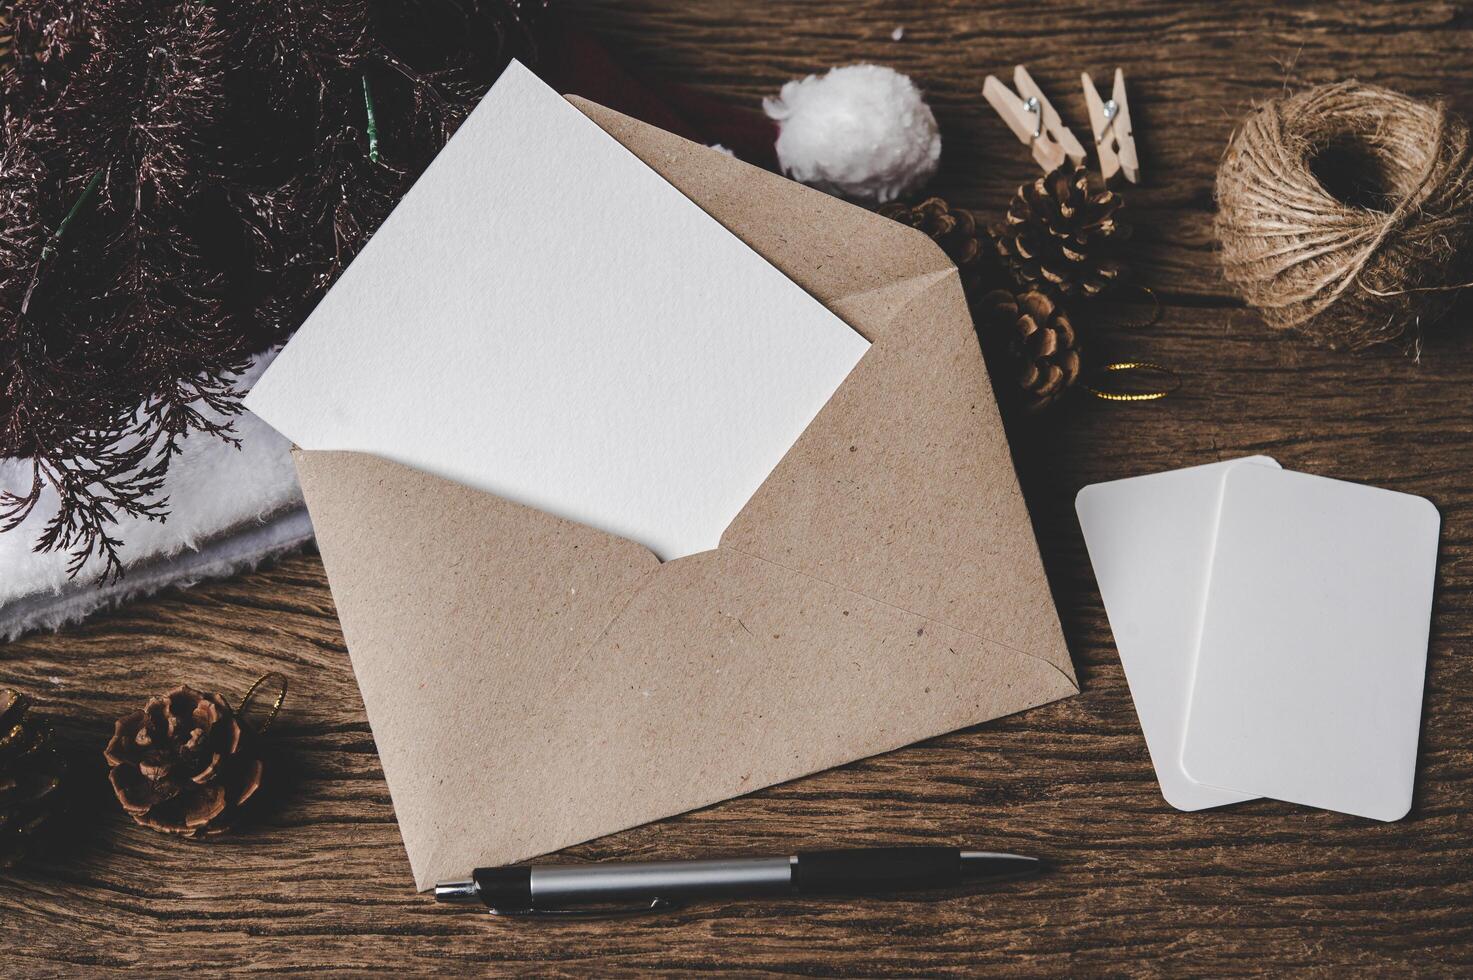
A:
[(179, 184)]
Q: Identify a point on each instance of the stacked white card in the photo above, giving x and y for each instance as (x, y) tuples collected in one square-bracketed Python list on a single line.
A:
[(1273, 629)]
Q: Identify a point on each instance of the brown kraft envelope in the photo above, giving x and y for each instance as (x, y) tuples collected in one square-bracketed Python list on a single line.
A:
[(533, 683)]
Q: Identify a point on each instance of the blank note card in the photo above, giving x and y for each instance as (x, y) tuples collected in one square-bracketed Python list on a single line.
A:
[(1150, 541), (642, 375), (1313, 645)]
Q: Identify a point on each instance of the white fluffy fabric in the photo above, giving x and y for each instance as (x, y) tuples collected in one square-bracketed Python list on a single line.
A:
[(230, 509), (861, 131)]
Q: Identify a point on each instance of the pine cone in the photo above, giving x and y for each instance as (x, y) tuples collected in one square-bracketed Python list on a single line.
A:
[(1031, 330), (1062, 231), (31, 774), (184, 764), (955, 230)]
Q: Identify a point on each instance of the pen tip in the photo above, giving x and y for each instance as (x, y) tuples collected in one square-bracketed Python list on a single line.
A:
[(993, 866), (458, 893)]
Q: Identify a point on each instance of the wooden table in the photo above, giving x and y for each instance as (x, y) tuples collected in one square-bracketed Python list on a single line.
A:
[(320, 880)]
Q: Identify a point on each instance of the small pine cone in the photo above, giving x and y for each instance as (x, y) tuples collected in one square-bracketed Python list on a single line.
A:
[(956, 231), (31, 775), (1063, 231), (184, 764), (1034, 334)]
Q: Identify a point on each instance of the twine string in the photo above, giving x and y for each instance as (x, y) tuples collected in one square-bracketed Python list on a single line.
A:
[(245, 700), (1346, 271), (1418, 289)]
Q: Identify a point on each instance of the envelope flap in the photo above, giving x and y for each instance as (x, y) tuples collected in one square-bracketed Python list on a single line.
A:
[(863, 267)]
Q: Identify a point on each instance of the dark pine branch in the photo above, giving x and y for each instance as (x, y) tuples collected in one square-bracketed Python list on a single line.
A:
[(226, 147)]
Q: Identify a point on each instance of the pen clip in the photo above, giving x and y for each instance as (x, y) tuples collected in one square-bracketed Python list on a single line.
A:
[(590, 912)]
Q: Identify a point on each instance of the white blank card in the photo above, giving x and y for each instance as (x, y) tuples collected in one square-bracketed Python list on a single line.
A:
[(1150, 541), (642, 375), (1313, 645)]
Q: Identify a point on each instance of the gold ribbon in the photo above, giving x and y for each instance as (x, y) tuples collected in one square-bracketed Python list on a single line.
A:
[(251, 693), (1171, 378), (1126, 367)]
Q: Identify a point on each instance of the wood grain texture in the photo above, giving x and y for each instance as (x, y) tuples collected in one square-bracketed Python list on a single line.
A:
[(320, 882)]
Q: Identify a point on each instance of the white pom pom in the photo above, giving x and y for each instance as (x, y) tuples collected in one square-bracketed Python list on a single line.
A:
[(861, 131)]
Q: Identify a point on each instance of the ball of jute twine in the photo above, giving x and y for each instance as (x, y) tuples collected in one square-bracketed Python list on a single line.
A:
[(1346, 212)]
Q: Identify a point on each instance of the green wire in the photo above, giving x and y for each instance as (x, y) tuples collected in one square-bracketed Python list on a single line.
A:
[(49, 249), (372, 121), (53, 241)]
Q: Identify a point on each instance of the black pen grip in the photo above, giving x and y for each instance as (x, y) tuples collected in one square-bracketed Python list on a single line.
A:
[(876, 869)]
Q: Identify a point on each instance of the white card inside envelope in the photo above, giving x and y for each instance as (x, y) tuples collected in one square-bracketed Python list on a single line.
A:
[(1150, 542), (544, 317), (1314, 643)]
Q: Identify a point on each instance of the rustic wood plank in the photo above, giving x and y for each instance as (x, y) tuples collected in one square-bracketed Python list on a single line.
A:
[(319, 881)]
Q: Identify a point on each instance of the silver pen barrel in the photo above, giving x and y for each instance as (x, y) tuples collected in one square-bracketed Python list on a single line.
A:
[(552, 885)]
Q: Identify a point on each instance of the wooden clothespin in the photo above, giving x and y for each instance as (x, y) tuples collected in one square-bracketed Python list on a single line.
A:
[(1114, 138), (1033, 120)]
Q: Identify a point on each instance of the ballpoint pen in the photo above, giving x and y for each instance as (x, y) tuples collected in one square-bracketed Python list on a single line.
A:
[(639, 886)]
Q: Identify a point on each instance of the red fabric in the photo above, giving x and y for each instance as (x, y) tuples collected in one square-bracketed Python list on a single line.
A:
[(577, 63)]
